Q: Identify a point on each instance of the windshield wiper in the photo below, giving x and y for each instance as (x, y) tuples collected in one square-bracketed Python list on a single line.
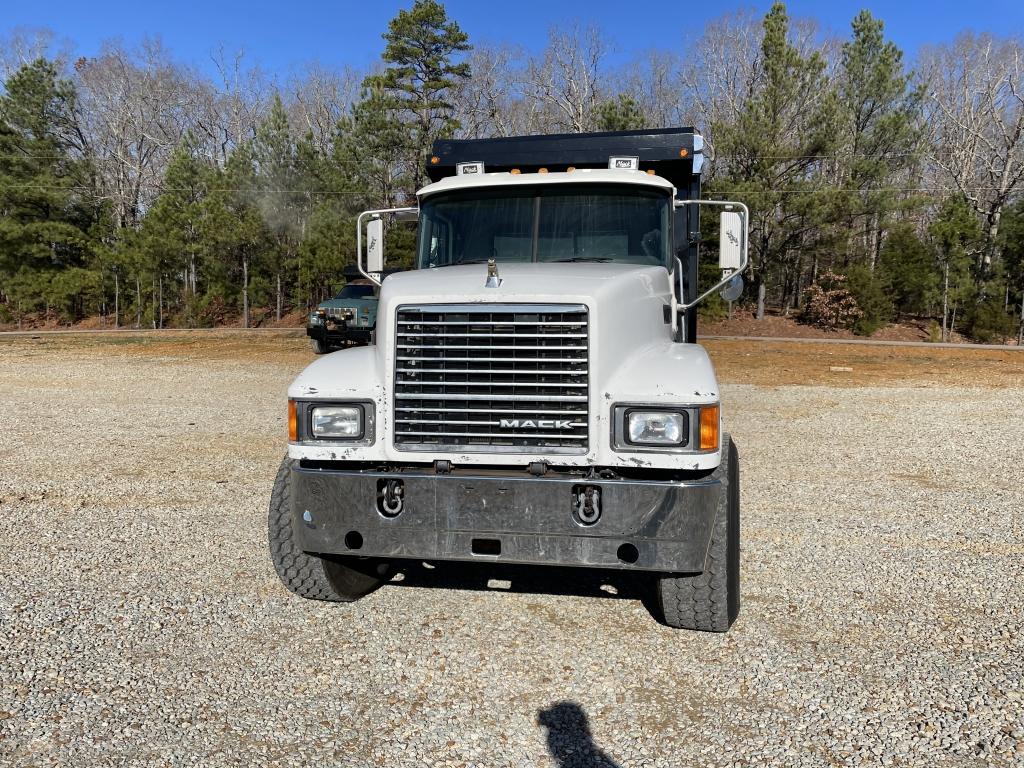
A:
[(587, 258), (467, 261)]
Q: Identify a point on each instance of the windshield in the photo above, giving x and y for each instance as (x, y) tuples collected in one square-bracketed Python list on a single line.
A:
[(579, 222), (356, 292)]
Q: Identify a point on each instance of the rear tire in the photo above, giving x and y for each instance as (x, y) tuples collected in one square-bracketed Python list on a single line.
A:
[(319, 347), (317, 577), (710, 601)]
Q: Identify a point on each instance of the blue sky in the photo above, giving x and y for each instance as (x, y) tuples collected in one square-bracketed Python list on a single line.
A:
[(280, 36)]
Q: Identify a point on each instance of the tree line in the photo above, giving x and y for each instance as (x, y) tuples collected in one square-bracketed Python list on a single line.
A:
[(135, 190)]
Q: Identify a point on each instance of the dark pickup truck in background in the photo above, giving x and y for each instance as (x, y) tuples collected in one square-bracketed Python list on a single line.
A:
[(346, 320)]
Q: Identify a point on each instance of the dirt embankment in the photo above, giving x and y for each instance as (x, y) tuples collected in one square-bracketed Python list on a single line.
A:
[(743, 323)]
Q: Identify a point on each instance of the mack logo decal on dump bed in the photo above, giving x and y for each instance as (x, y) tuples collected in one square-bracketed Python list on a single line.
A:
[(536, 424)]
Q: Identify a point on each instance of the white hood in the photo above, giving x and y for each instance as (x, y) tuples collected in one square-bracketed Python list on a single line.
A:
[(518, 281)]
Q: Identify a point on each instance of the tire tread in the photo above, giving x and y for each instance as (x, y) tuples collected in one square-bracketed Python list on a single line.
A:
[(709, 601), (306, 575)]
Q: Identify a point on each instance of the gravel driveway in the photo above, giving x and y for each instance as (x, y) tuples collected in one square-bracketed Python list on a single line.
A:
[(141, 622)]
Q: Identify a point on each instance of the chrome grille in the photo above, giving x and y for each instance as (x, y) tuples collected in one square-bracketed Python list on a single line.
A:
[(492, 377)]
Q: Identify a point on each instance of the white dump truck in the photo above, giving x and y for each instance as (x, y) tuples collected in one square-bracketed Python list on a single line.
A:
[(534, 393)]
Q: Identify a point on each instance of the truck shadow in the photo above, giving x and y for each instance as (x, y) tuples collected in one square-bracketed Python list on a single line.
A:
[(530, 579), (569, 739)]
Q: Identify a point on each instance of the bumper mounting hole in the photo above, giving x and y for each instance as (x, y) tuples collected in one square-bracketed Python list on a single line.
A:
[(627, 553), (486, 547)]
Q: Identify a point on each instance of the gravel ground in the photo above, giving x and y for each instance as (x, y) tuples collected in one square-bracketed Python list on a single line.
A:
[(141, 622)]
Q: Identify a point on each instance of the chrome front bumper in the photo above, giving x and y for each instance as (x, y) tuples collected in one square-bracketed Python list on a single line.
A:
[(644, 525)]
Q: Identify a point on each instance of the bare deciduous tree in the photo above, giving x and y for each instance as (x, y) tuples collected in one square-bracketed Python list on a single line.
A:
[(722, 70), (233, 107), (653, 81), (317, 100), (566, 79), (976, 95), (489, 103), (138, 106), (24, 45)]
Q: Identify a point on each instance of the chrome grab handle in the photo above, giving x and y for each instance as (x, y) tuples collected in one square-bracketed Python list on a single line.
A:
[(359, 235)]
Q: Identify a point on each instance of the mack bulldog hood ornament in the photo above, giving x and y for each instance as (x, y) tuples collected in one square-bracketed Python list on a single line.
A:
[(493, 281)]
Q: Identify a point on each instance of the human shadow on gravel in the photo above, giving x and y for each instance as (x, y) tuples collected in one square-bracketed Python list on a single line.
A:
[(569, 739)]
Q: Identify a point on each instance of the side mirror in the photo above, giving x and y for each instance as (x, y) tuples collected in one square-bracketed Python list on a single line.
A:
[(733, 289), (375, 246), (730, 241)]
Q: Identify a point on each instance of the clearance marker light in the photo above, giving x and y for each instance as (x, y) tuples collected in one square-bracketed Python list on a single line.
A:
[(709, 428), (293, 422)]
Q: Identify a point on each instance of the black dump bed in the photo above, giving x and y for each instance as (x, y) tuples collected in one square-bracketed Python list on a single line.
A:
[(675, 154), (672, 153)]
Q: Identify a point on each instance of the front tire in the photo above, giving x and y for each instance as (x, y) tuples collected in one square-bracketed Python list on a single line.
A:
[(317, 577), (319, 347), (710, 601)]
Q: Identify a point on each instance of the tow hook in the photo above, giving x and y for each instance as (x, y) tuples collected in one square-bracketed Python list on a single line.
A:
[(390, 497), (586, 504)]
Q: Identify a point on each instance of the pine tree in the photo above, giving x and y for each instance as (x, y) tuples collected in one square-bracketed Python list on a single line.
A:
[(371, 152), (880, 121), (173, 229), (908, 266), (1012, 234), (420, 75), (958, 237), (235, 231), (785, 126), (620, 114), (282, 201), (46, 211)]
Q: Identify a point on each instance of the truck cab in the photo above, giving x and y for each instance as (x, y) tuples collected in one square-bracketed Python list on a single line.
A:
[(535, 393), (346, 319)]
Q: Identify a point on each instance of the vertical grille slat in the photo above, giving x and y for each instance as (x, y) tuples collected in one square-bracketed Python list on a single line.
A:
[(492, 377)]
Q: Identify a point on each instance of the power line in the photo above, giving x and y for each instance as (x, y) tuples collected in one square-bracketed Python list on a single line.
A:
[(754, 190), (204, 190), (832, 156)]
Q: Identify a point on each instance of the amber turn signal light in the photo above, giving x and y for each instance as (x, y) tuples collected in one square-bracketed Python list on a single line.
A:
[(709, 428), (293, 422)]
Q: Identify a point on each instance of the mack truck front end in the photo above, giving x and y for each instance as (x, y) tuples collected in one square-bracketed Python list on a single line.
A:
[(535, 393)]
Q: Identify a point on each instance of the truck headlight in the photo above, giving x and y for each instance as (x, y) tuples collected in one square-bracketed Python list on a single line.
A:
[(646, 427), (314, 319), (342, 422)]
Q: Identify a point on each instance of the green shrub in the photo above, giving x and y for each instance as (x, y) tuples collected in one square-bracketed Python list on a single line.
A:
[(873, 295), (989, 321)]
